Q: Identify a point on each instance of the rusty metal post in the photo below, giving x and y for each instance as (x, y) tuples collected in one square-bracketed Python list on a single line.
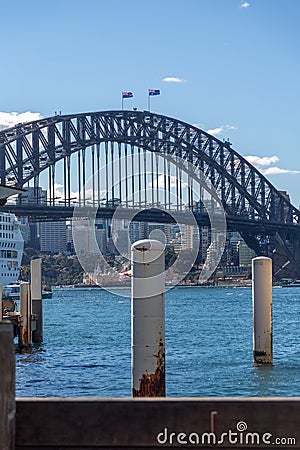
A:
[(36, 298), (262, 310), (25, 310), (1, 304), (7, 387), (148, 319)]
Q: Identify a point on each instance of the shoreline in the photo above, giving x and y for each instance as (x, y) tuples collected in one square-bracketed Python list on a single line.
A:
[(127, 286)]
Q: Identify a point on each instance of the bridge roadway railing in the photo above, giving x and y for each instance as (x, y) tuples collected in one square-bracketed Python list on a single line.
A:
[(61, 212)]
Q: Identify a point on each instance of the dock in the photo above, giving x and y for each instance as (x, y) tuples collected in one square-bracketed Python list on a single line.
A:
[(28, 322)]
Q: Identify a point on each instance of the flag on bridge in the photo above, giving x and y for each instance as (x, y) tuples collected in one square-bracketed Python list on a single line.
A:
[(127, 94), (154, 92)]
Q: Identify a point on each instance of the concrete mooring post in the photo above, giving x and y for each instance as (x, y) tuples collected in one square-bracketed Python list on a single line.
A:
[(25, 310), (262, 310), (7, 387), (148, 319), (36, 298)]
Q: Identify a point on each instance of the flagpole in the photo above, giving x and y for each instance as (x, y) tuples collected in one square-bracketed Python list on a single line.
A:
[(148, 101), (122, 102)]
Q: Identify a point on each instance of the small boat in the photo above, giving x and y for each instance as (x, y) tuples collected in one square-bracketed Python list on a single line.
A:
[(46, 294), (293, 284), (12, 292)]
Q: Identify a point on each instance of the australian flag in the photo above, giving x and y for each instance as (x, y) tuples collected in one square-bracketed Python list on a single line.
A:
[(127, 94), (154, 92)]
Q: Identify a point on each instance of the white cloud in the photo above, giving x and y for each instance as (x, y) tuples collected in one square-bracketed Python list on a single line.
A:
[(174, 80), (160, 181), (219, 130), (8, 120), (59, 194), (277, 170), (215, 131), (260, 162), (245, 5)]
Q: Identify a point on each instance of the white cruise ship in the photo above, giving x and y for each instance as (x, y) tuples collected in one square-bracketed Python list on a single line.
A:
[(11, 248)]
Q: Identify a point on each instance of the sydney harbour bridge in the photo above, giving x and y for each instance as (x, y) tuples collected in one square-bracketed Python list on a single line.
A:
[(145, 162)]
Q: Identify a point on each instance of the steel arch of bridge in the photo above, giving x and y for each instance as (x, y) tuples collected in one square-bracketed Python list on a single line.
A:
[(28, 149)]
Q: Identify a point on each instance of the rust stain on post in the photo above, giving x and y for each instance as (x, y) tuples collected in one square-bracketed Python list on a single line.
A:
[(142, 249), (153, 384)]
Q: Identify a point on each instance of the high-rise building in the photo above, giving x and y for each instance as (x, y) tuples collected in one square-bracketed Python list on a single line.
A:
[(137, 231), (101, 239), (89, 238), (234, 240), (53, 237), (189, 237), (70, 243), (158, 231), (204, 241), (245, 254), (31, 230)]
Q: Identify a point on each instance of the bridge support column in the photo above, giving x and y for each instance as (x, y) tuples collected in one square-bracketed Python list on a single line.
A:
[(262, 310), (148, 321)]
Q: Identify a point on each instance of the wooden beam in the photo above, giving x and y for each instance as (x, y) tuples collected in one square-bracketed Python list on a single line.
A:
[(151, 423), (7, 387)]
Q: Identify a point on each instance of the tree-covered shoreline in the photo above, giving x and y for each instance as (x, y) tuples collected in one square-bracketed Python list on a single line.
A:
[(56, 269)]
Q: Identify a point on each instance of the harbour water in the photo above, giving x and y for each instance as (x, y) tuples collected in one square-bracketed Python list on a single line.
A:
[(86, 350)]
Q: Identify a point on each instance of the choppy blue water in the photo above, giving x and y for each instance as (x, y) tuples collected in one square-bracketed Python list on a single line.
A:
[(86, 350)]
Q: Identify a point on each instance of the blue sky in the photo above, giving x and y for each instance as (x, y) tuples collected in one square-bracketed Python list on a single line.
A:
[(237, 65)]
